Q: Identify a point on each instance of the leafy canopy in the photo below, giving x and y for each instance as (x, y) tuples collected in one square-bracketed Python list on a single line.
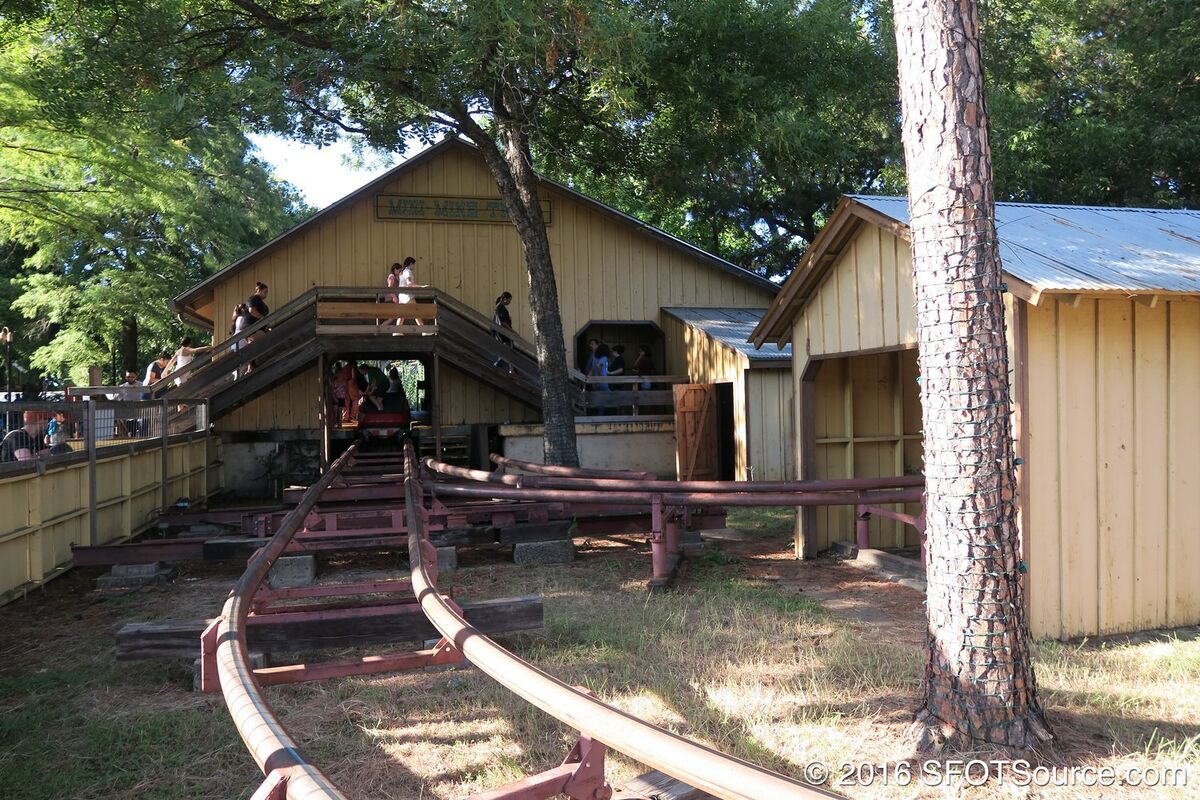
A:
[(114, 214)]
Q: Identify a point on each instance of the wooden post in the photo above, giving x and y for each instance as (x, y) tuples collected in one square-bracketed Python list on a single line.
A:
[(207, 455), (323, 378), (436, 409), (91, 451), (165, 467), (806, 536)]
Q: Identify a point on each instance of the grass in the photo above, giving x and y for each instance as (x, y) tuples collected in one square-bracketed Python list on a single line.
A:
[(739, 657)]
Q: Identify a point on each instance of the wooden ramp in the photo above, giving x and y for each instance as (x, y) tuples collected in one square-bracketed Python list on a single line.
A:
[(657, 786)]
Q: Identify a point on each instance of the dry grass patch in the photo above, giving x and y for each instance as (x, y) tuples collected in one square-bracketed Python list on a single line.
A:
[(739, 657)]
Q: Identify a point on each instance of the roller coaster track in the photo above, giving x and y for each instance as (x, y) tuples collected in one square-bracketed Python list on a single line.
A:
[(226, 665)]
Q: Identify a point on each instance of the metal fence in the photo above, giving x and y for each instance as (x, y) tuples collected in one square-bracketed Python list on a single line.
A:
[(53, 431)]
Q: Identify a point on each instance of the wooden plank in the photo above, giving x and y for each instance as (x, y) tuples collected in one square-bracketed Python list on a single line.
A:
[(353, 627), (385, 329), (1114, 399), (1183, 472), (870, 288), (659, 786), (1150, 528), (374, 310), (846, 272), (1038, 477)]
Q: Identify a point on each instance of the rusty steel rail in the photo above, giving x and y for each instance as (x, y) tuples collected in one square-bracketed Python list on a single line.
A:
[(667, 498), (568, 472), (288, 773), (652, 485), (698, 766)]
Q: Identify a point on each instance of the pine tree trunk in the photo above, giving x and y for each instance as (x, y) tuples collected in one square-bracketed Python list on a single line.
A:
[(511, 167), (979, 681)]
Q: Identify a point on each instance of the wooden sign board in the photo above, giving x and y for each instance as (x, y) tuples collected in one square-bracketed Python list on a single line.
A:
[(445, 209)]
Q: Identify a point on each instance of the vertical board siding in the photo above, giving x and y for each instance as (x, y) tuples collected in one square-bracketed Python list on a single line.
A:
[(48, 513), (1111, 427), (1044, 545), (605, 270), (1182, 544), (1114, 412), (1149, 382), (865, 302), (1114, 455)]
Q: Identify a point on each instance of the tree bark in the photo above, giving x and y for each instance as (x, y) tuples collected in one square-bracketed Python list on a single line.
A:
[(129, 346), (511, 166), (979, 681)]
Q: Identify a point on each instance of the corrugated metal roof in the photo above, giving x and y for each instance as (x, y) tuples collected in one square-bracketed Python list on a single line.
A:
[(731, 327), (1089, 248)]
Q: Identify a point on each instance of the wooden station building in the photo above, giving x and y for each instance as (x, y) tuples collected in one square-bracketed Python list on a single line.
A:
[(1104, 338), (615, 276)]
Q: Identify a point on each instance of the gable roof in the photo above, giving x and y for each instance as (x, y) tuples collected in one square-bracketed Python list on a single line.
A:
[(732, 328), (181, 303), (1044, 249)]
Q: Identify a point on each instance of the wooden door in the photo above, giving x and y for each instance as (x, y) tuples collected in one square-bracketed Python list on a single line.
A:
[(696, 431)]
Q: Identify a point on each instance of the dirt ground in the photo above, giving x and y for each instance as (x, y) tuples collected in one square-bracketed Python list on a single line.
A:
[(781, 662)]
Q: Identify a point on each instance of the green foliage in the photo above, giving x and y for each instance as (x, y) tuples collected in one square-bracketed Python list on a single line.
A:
[(1095, 101), (113, 215), (753, 118)]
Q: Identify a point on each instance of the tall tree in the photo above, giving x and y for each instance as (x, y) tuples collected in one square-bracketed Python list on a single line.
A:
[(1095, 101), (979, 681), (753, 118), (487, 70), (113, 217)]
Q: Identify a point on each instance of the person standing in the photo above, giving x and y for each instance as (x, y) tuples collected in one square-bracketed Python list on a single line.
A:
[(644, 365), (600, 370), (185, 354), (256, 303), (347, 379), (24, 443), (156, 368), (501, 319), (591, 359)]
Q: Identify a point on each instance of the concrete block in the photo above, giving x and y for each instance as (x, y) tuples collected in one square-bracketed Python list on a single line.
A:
[(292, 571), (447, 559), (133, 576), (136, 570), (561, 551)]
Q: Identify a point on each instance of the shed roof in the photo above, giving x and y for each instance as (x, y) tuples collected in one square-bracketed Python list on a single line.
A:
[(731, 327), (1089, 248), (188, 298), (1043, 249)]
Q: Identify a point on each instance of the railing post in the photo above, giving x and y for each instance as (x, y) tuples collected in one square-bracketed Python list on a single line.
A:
[(658, 544), (862, 527), (162, 421), (93, 524)]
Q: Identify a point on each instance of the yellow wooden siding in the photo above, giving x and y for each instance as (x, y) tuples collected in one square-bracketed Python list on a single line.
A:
[(1113, 466), (867, 421), (705, 360), (770, 418), (605, 268), (865, 302), (465, 400), (49, 512)]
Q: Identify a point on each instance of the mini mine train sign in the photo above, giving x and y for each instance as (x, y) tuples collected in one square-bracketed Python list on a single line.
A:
[(445, 209)]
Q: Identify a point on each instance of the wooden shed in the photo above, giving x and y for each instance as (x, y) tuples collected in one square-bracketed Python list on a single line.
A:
[(1104, 342), (713, 345), (614, 274)]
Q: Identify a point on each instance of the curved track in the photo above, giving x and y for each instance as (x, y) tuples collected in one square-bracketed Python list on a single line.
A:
[(288, 774)]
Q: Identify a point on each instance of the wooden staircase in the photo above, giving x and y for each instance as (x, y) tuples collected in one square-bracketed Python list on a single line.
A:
[(337, 321)]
